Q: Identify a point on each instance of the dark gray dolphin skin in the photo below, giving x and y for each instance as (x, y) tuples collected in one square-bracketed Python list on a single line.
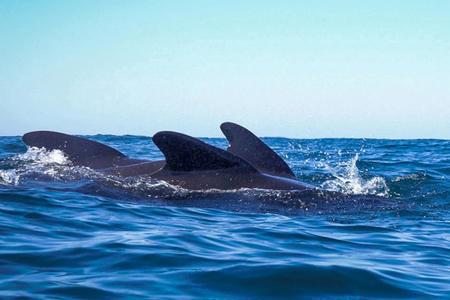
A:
[(92, 154), (245, 144), (190, 163), (193, 164)]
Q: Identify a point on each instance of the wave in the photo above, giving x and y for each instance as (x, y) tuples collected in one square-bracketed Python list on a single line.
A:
[(71, 232)]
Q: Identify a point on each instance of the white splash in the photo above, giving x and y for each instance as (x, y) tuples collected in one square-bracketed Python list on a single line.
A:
[(42, 156), (349, 181), (34, 160), (9, 177)]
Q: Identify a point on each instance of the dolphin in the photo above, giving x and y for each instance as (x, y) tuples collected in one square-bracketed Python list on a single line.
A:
[(190, 163)]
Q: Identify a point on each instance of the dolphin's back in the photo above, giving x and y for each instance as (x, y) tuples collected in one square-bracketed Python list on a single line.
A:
[(80, 151), (195, 165)]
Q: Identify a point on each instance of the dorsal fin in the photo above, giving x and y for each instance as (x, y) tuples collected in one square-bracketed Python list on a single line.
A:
[(245, 144), (185, 153), (79, 150)]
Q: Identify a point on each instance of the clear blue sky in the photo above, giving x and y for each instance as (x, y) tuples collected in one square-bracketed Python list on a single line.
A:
[(282, 68)]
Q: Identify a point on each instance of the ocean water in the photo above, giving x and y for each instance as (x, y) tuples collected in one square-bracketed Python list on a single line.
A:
[(380, 229)]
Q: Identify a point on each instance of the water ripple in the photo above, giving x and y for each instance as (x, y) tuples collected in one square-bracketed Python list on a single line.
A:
[(68, 232)]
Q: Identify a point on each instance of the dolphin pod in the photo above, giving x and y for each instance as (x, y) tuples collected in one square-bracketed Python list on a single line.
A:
[(190, 163)]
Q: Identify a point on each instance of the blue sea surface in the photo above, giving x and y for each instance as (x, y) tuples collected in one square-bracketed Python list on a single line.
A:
[(70, 232)]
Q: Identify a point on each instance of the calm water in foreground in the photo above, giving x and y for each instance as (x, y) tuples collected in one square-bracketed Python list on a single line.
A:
[(69, 232)]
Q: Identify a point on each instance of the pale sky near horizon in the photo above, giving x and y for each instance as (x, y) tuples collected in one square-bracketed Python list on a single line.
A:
[(303, 69)]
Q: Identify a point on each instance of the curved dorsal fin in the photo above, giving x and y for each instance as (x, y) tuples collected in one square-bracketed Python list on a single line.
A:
[(185, 153), (79, 150), (248, 146)]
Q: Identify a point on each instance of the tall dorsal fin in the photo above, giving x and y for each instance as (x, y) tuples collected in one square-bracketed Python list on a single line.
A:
[(185, 153), (79, 150), (248, 146)]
